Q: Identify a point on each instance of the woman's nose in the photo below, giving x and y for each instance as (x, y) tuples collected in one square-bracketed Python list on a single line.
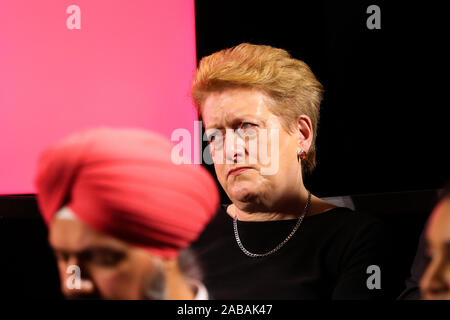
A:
[(234, 147)]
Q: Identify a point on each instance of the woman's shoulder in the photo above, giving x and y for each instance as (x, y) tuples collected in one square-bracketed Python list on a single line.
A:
[(346, 220), (345, 213)]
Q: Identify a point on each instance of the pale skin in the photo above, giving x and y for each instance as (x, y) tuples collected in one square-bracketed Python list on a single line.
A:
[(110, 268), (435, 283), (255, 196)]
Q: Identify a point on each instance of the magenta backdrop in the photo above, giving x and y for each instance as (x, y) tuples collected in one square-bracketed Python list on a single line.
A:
[(129, 65)]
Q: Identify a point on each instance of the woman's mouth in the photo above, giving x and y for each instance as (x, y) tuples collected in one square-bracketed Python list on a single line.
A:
[(239, 170)]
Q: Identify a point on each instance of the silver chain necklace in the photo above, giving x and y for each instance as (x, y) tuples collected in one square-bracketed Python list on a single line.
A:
[(278, 247)]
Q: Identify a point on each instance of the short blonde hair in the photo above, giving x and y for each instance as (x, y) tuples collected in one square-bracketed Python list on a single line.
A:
[(289, 82)]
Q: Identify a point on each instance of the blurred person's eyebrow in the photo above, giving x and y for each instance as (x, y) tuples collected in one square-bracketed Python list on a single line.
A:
[(103, 248), (90, 248), (60, 250)]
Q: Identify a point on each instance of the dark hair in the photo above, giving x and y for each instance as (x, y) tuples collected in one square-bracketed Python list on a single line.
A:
[(444, 193)]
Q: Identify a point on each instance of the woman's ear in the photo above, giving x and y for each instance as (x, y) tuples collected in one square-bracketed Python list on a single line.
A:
[(305, 132)]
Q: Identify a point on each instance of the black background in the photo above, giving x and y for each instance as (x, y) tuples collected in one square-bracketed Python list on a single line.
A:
[(383, 126)]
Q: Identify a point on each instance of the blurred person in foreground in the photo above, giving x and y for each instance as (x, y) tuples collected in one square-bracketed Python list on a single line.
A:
[(430, 271), (122, 214), (260, 108), (435, 283)]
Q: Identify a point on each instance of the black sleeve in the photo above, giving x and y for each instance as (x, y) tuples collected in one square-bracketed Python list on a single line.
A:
[(368, 248), (419, 265)]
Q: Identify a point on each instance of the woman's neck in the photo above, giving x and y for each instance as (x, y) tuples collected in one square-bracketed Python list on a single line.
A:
[(289, 209)]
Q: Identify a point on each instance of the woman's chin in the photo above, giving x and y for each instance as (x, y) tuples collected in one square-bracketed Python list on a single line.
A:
[(242, 192)]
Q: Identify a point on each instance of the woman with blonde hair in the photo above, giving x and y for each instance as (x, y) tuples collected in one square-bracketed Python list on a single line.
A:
[(260, 109)]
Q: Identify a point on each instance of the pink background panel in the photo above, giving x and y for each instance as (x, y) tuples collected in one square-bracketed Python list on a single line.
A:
[(130, 65)]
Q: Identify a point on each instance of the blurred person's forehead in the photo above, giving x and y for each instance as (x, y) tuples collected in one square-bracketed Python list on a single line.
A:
[(70, 234)]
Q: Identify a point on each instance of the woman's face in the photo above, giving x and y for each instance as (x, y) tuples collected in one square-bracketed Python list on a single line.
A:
[(435, 283), (255, 157)]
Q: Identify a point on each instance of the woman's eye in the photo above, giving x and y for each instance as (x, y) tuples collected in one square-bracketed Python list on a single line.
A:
[(213, 136), (428, 252), (247, 125), (247, 129)]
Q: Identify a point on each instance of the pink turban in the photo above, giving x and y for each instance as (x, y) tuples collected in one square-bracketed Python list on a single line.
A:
[(122, 182)]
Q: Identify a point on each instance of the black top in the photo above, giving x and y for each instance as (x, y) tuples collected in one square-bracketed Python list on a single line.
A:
[(327, 258)]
